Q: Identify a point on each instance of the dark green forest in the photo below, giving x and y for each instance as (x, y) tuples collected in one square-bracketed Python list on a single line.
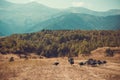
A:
[(61, 43)]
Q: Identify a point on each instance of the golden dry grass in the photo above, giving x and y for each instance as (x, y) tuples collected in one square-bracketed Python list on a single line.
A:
[(43, 69)]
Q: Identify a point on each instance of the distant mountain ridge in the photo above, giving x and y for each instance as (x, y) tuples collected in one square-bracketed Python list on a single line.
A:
[(30, 17), (4, 3), (21, 17), (4, 29), (74, 21), (91, 12)]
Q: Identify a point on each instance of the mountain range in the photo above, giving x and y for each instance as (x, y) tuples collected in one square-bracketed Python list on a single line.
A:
[(75, 21), (32, 17)]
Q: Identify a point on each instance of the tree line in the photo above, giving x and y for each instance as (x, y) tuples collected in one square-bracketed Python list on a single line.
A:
[(61, 43)]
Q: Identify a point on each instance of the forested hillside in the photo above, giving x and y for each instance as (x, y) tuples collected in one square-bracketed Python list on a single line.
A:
[(59, 43), (76, 21)]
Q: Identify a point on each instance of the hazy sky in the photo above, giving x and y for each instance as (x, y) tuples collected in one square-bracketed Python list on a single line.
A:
[(98, 5)]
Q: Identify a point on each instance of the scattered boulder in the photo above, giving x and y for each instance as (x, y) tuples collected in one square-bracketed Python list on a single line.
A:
[(104, 62), (82, 63), (71, 60), (11, 59), (56, 63), (93, 62), (99, 62)]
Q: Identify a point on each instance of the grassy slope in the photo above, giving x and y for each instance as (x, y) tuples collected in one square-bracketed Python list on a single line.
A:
[(43, 69)]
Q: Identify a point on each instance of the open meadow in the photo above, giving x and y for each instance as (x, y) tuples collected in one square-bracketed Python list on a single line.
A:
[(43, 69)]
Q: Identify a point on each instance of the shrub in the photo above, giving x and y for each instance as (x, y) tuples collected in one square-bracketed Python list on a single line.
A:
[(11, 59), (109, 52)]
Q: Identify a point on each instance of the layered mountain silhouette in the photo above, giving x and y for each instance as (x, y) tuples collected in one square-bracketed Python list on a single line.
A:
[(91, 12), (4, 29), (74, 21), (21, 17), (32, 17), (4, 3)]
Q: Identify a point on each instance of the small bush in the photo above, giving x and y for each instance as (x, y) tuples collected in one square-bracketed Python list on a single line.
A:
[(109, 52), (11, 59)]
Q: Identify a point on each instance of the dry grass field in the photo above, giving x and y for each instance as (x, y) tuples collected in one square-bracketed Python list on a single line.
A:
[(43, 69)]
